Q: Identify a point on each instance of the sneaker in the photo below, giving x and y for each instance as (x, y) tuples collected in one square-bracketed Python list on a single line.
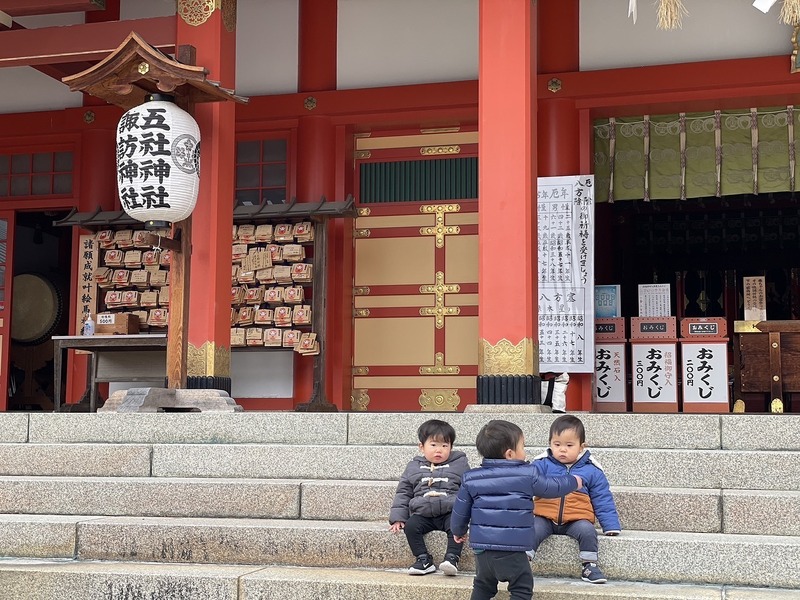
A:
[(450, 564), (423, 566), (592, 573)]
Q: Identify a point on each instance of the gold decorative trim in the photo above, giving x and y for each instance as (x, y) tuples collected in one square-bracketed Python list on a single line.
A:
[(310, 103), (208, 360), (441, 130), (361, 291), (439, 367), (439, 310), (143, 67), (359, 401), (776, 406), (361, 312), (364, 212), (738, 406), (439, 400), (362, 154), (195, 12), (440, 230), (554, 85), (228, 8), (506, 358), (360, 370), (439, 150), (88, 117), (361, 233), (746, 327)]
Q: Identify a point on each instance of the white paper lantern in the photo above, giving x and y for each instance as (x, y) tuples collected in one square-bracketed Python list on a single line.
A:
[(158, 161)]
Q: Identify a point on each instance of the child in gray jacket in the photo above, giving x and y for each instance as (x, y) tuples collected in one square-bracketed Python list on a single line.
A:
[(425, 495)]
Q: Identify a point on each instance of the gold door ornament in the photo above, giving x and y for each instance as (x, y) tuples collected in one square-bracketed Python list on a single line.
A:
[(440, 289), (359, 400), (440, 229), (507, 358), (439, 400), (439, 368)]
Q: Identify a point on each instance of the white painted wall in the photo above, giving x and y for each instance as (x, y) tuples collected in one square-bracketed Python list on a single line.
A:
[(396, 42)]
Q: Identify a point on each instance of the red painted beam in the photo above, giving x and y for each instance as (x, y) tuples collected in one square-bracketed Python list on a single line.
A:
[(685, 87), (57, 72), (84, 42), (23, 8)]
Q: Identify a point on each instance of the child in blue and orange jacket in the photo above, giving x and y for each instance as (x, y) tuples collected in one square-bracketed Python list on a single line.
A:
[(574, 515)]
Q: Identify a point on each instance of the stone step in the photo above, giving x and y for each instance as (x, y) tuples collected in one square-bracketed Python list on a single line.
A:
[(646, 509), (152, 497), (50, 580), (680, 431), (99, 460), (702, 469), (636, 555), (705, 469)]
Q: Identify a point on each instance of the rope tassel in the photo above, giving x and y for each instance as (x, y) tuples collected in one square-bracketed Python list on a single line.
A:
[(790, 12), (671, 12)]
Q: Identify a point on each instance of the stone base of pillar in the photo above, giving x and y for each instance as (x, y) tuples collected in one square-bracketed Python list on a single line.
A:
[(195, 382), (152, 400), (504, 409), (509, 389)]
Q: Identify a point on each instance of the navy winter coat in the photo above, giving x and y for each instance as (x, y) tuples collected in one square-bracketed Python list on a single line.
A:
[(497, 498), (426, 489)]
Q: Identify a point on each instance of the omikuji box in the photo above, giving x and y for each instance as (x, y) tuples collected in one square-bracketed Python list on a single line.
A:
[(116, 324)]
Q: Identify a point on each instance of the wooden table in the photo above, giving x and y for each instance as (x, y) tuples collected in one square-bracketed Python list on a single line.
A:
[(136, 358)]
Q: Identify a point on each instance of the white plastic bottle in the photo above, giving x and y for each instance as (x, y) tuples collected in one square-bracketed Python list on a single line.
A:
[(88, 326)]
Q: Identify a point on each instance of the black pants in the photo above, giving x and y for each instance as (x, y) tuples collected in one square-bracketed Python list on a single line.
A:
[(417, 526), (493, 566)]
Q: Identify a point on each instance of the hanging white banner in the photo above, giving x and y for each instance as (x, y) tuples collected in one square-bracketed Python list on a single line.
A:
[(566, 273)]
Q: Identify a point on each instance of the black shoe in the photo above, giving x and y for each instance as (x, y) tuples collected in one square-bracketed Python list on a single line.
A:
[(449, 565), (423, 566)]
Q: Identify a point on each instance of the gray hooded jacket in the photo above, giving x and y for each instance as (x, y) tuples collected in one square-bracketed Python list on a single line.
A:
[(426, 489)]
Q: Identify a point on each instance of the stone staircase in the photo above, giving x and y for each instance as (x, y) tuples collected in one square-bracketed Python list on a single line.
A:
[(257, 506)]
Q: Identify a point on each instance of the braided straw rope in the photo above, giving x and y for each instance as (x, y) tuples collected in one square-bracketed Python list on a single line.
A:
[(671, 12)]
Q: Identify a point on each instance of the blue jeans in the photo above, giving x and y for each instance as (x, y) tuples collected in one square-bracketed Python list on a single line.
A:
[(583, 531)]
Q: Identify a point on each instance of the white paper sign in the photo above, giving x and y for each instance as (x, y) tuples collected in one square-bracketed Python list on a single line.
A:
[(566, 273), (609, 372), (654, 373), (705, 372), (654, 300), (755, 299)]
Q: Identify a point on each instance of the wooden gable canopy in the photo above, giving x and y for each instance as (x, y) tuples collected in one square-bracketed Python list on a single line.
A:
[(135, 69)]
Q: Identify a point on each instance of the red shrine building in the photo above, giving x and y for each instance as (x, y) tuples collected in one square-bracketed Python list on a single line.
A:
[(394, 148)]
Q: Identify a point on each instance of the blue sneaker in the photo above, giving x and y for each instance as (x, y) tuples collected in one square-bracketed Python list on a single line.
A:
[(592, 573)]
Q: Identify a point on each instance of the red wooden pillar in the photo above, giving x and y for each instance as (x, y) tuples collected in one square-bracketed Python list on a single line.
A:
[(213, 36), (559, 124), (317, 151), (508, 287)]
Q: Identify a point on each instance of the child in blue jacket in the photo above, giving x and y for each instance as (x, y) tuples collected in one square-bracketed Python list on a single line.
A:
[(574, 515), (497, 498)]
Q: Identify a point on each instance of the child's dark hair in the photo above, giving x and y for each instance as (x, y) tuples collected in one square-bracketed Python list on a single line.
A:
[(440, 431), (496, 437), (565, 423)]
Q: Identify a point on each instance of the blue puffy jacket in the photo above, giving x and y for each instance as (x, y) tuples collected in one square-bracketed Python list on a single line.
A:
[(497, 498), (593, 500)]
